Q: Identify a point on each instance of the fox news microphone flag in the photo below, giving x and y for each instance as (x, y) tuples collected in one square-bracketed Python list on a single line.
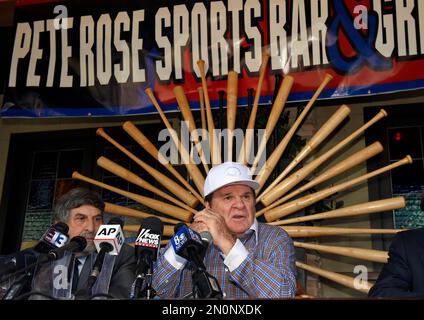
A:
[(147, 247)]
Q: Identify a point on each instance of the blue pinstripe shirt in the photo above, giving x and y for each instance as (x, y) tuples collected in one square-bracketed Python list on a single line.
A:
[(268, 271)]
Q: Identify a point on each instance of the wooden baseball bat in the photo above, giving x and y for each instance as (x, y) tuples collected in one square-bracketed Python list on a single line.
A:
[(202, 108), (327, 128), (355, 210), (232, 83), (169, 184), (306, 232), (302, 173), (275, 156), (339, 168), (160, 206), (336, 277), (188, 117), (142, 140), (203, 116), (128, 212), (215, 148), (298, 204), (120, 171), (276, 110), (168, 230), (359, 253), (186, 158), (247, 143)]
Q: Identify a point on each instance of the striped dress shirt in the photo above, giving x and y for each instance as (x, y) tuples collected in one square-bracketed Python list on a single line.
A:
[(265, 267)]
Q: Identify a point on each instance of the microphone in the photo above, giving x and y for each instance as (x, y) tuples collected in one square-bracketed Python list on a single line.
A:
[(147, 247), (8, 264), (192, 246), (111, 233), (109, 239), (207, 240), (188, 244), (21, 264), (16, 261), (22, 261), (55, 237), (76, 244)]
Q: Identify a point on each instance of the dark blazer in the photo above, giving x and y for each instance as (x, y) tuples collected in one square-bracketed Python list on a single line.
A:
[(123, 274), (403, 275)]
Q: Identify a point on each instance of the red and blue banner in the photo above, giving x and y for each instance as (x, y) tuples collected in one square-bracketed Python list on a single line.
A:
[(96, 58)]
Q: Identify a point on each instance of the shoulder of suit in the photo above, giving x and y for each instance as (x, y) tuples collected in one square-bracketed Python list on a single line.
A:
[(412, 233), (270, 229), (126, 249)]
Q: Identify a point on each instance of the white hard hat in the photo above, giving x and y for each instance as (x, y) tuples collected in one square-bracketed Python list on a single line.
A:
[(228, 173)]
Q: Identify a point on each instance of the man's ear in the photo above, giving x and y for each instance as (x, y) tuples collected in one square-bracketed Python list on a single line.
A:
[(207, 205)]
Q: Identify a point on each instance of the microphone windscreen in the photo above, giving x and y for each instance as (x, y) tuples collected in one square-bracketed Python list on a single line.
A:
[(76, 244), (79, 244), (206, 237), (151, 223), (62, 227), (117, 220), (178, 226)]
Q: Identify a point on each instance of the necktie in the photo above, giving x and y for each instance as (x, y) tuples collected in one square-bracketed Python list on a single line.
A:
[(75, 275)]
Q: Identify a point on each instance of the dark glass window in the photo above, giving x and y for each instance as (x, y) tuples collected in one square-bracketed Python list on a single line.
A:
[(403, 141), (50, 178), (407, 180)]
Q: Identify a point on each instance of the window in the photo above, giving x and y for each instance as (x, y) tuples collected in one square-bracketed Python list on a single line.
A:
[(401, 133), (50, 178), (408, 180)]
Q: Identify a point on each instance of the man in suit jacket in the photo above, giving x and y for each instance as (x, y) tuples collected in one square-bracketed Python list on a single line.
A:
[(403, 275), (122, 275), (82, 210)]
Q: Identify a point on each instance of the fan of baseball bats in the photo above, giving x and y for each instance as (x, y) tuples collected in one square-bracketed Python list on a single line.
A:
[(176, 199)]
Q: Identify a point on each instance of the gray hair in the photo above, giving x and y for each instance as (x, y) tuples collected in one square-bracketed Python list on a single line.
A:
[(76, 198)]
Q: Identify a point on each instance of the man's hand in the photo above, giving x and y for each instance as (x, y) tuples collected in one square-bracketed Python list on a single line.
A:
[(208, 220)]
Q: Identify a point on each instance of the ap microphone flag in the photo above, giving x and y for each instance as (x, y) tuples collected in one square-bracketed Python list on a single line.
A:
[(112, 234), (108, 240)]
